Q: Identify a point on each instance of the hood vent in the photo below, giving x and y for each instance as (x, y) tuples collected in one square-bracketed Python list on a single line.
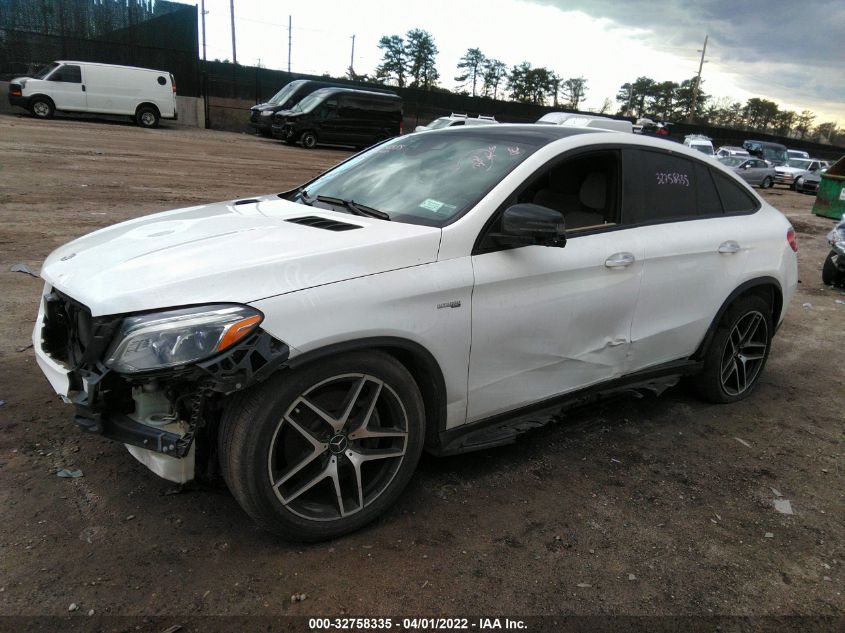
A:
[(246, 201), (324, 223)]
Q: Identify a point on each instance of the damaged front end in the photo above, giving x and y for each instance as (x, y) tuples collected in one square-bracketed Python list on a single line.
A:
[(154, 381)]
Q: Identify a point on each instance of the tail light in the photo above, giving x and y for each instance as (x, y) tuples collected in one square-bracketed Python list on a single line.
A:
[(790, 237), (401, 128), (173, 83), (15, 91)]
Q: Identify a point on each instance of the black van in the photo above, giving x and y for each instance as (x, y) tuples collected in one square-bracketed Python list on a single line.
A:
[(775, 153), (261, 115), (340, 116)]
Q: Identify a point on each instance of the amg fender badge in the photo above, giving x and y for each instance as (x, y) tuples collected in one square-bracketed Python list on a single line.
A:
[(449, 304)]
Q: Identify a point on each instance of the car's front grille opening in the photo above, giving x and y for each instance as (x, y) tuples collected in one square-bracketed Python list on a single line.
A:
[(324, 223), (68, 327)]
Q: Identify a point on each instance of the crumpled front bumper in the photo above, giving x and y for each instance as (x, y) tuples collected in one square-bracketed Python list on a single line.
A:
[(161, 447)]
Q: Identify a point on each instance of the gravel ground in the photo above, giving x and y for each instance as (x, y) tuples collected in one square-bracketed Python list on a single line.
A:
[(657, 506)]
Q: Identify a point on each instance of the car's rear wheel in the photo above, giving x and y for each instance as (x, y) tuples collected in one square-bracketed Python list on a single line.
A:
[(41, 108), (147, 117), (321, 451), (738, 352), (308, 140), (767, 182)]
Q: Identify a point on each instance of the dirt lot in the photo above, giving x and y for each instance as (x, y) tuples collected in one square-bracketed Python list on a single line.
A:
[(652, 506)]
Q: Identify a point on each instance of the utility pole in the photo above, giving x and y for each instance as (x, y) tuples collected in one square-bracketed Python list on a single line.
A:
[(234, 49), (290, 20), (202, 13), (352, 59), (697, 83)]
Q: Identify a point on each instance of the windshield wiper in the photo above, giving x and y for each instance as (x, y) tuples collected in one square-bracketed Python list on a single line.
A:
[(352, 206)]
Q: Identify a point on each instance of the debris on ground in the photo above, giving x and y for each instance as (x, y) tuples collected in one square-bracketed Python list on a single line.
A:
[(769, 535), (783, 506), (173, 629), (298, 597), (90, 612), (2, 402), (631, 577), (20, 267), (584, 585), (24, 348), (775, 492), (807, 305), (69, 474), (743, 442), (73, 607)]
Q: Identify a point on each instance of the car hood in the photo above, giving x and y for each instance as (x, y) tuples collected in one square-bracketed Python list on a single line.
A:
[(20, 80), (237, 251), (790, 170), (264, 106)]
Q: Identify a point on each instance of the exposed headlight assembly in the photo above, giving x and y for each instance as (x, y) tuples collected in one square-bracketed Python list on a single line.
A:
[(267, 113), (179, 337)]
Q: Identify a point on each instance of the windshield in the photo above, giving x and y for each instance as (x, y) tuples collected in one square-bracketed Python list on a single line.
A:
[(426, 179), (732, 161), (775, 155), (46, 70), (285, 93), (310, 102), (439, 123), (704, 149), (799, 163)]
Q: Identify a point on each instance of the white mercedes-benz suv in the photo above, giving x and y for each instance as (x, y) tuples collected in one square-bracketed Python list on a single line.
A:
[(442, 291)]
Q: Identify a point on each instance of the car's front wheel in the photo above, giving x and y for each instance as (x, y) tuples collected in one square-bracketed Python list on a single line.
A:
[(321, 451), (41, 108), (308, 140), (738, 352), (799, 182)]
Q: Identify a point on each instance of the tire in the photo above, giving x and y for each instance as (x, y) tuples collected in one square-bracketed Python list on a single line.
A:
[(284, 461), (147, 117), (767, 183), (42, 108), (738, 352), (831, 275), (308, 140), (798, 182), (266, 133)]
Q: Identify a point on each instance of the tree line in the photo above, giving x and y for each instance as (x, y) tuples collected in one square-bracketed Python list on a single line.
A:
[(410, 61)]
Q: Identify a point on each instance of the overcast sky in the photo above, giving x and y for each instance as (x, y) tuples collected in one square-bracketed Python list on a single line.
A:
[(790, 52)]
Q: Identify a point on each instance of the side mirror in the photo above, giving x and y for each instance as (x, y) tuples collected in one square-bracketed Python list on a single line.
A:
[(533, 224)]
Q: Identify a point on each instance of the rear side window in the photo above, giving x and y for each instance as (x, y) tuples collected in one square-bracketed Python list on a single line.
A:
[(734, 198), (658, 186), (68, 74), (707, 196)]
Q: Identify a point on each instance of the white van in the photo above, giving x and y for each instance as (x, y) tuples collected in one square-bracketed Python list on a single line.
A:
[(570, 119), (699, 142), (144, 95)]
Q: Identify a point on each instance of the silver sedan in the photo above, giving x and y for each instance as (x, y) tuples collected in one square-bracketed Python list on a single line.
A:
[(754, 171)]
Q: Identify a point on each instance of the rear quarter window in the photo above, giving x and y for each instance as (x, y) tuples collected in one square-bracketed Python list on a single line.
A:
[(735, 199)]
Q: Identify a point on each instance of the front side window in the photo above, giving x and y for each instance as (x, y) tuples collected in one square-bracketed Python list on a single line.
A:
[(67, 74), (427, 179)]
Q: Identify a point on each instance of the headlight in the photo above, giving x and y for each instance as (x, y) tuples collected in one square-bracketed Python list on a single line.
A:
[(267, 113), (179, 337)]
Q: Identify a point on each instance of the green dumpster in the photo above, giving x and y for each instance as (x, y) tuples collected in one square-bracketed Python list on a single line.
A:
[(830, 201)]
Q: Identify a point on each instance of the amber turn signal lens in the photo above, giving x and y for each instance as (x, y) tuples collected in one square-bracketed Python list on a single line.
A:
[(237, 331)]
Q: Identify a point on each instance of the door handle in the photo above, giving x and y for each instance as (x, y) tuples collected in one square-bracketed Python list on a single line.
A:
[(83, 87), (619, 260), (729, 247)]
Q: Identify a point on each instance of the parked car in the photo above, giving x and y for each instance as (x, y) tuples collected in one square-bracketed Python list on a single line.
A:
[(67, 86), (809, 182), (340, 116), (261, 115), (456, 120), (796, 169), (700, 143), (649, 127), (730, 150), (442, 291), (570, 119), (773, 153), (797, 153), (754, 171)]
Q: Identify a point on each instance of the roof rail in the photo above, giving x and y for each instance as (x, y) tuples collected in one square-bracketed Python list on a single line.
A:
[(485, 117), (457, 115)]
